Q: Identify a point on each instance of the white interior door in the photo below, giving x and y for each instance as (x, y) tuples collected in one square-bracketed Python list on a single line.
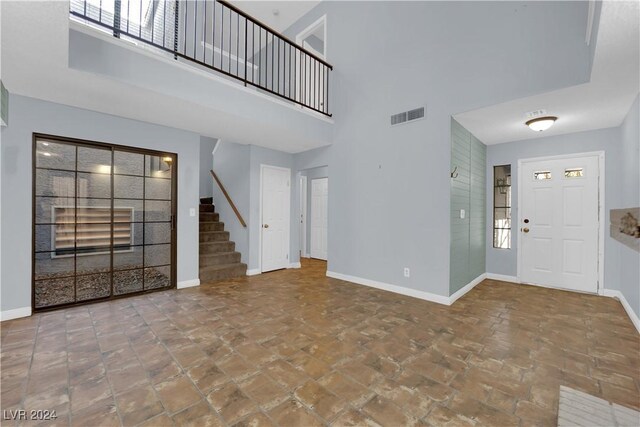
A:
[(319, 217), (303, 217), (559, 224), (275, 205)]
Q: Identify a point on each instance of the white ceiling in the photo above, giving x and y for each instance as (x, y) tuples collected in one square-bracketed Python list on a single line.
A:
[(288, 12), (601, 103)]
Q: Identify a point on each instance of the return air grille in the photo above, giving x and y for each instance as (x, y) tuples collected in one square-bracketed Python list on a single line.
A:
[(407, 116)]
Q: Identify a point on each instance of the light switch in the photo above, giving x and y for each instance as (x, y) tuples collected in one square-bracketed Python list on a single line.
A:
[(462, 213), (192, 211)]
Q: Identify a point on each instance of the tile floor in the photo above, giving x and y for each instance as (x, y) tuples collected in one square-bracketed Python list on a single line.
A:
[(294, 348)]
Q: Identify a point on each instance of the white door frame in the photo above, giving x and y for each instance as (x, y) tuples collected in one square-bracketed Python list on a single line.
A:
[(310, 29), (303, 215), (327, 231), (262, 168), (601, 211)]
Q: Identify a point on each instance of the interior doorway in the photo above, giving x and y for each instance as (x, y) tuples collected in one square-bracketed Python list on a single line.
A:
[(104, 221), (319, 218), (275, 205), (559, 211)]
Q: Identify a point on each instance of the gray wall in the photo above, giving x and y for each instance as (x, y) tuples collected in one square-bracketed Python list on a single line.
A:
[(206, 163), (30, 115), (266, 156), (467, 246), (629, 283), (311, 174), (400, 176), (231, 164), (504, 261)]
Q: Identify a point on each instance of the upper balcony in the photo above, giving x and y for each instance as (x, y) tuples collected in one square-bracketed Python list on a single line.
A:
[(216, 35)]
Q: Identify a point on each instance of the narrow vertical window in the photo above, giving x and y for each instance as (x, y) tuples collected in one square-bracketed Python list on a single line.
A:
[(502, 207)]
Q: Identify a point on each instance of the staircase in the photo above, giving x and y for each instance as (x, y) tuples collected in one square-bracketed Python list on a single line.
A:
[(218, 258)]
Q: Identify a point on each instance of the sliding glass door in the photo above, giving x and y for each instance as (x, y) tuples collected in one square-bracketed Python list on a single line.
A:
[(103, 221)]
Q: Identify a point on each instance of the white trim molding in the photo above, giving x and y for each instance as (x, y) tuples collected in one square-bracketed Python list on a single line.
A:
[(188, 283), (466, 288), (502, 278), (253, 272), (427, 296), (16, 313), (295, 265), (612, 293)]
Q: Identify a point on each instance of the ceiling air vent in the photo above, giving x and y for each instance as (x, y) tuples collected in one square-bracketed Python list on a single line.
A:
[(407, 116)]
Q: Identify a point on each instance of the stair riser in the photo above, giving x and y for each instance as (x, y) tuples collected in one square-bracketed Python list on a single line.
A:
[(207, 208), (216, 248), (208, 216), (212, 276), (211, 260), (222, 236), (212, 226)]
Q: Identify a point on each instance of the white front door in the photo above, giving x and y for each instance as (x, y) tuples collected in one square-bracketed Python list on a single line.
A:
[(319, 217), (558, 222), (275, 205)]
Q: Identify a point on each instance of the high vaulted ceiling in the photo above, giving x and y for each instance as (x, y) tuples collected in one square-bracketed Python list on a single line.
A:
[(601, 103), (279, 15)]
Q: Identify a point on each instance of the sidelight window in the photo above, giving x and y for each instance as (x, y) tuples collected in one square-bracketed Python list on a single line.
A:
[(502, 207)]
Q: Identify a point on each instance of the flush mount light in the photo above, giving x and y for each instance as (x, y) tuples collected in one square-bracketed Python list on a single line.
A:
[(541, 123)]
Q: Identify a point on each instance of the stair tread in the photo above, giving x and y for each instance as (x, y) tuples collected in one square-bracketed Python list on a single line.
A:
[(217, 242), (219, 254), (223, 267)]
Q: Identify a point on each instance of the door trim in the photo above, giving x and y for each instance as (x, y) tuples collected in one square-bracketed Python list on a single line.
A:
[(35, 136), (262, 168), (601, 211), (327, 230), (303, 215)]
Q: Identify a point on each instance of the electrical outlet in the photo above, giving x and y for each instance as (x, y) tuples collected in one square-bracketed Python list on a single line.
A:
[(407, 272), (192, 211), (462, 213)]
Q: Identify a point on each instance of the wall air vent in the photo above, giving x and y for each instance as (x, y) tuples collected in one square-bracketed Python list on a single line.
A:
[(396, 119), (407, 116)]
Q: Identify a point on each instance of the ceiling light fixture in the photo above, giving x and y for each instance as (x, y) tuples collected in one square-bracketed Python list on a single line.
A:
[(47, 154), (541, 123)]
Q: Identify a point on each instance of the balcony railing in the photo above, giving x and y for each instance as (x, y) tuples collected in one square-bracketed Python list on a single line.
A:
[(216, 35)]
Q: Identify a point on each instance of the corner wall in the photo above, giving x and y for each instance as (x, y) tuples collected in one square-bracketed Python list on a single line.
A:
[(30, 115), (467, 247), (629, 283)]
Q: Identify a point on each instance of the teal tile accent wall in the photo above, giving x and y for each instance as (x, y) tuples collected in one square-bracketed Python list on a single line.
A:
[(468, 192)]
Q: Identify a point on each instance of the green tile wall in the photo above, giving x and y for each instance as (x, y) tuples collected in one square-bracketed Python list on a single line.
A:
[(468, 192)]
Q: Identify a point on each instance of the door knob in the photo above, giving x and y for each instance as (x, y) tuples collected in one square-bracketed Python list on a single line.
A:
[(525, 230), (266, 226)]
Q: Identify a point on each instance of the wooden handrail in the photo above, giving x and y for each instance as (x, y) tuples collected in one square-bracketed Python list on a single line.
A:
[(224, 191)]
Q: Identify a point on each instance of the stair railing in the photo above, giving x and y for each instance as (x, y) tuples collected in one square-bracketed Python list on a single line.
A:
[(226, 195), (216, 35)]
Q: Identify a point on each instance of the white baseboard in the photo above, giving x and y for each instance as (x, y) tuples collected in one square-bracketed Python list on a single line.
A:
[(295, 265), (502, 277), (612, 293), (307, 256), (16, 313), (453, 298), (427, 296), (188, 283), (254, 272)]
